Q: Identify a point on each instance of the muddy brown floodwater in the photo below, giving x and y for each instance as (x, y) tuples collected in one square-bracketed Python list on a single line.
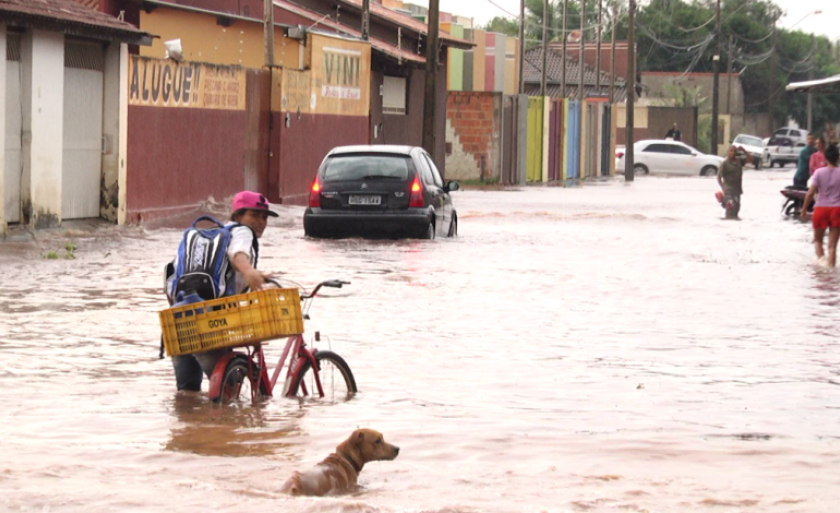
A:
[(604, 348)]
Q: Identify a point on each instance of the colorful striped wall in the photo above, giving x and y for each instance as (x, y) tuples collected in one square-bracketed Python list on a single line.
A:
[(569, 140)]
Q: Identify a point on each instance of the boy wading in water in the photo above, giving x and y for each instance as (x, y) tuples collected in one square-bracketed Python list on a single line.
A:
[(825, 184), (730, 176)]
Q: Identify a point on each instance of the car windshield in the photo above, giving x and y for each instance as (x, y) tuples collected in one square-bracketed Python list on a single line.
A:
[(367, 167), (745, 139)]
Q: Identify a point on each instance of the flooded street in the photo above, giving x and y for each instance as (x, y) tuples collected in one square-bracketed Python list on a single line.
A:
[(605, 348)]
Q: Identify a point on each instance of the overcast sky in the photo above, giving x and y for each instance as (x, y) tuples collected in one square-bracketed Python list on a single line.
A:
[(827, 23)]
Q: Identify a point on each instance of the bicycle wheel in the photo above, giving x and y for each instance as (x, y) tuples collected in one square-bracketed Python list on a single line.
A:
[(336, 378), (237, 384)]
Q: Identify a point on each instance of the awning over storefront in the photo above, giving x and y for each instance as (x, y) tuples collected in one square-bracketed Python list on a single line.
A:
[(823, 85)]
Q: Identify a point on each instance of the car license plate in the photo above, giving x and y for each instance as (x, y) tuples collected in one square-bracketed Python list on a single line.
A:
[(365, 200)]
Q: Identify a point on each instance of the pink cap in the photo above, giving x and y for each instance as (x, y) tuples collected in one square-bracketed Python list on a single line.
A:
[(251, 201)]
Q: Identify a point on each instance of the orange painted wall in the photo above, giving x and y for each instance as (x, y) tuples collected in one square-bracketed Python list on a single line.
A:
[(202, 40)]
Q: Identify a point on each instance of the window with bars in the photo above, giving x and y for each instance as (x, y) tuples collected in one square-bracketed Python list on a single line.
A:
[(394, 95), (84, 55), (13, 47)]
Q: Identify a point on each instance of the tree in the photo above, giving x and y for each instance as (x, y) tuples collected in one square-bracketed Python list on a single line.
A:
[(503, 25), (677, 36)]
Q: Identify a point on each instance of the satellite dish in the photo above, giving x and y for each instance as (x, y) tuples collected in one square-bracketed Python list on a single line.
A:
[(174, 50)]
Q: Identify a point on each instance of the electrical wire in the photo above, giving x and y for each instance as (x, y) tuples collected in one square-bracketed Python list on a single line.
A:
[(695, 29), (751, 41), (696, 60), (665, 44), (765, 100), (568, 30), (798, 70)]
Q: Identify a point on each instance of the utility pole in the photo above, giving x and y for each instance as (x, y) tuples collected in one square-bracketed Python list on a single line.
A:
[(544, 49), (729, 77), (366, 19), (430, 97), (770, 81), (598, 57), (581, 66), (612, 56), (631, 93), (811, 77), (565, 40), (522, 47), (268, 35), (716, 86)]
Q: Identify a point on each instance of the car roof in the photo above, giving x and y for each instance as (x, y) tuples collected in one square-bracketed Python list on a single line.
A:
[(385, 149), (660, 141)]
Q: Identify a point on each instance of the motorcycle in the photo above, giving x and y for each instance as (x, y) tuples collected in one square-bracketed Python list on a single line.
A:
[(794, 199)]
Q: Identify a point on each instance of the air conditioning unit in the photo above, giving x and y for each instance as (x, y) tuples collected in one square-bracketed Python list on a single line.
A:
[(298, 32)]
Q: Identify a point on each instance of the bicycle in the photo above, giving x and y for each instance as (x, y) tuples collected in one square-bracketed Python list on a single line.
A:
[(239, 374), (236, 374)]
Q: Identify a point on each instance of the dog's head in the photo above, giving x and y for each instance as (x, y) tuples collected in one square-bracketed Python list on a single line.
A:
[(366, 445)]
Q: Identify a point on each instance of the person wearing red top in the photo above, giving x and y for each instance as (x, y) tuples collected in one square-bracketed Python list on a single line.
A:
[(818, 158)]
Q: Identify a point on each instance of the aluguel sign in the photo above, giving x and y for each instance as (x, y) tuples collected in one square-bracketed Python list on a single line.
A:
[(168, 83)]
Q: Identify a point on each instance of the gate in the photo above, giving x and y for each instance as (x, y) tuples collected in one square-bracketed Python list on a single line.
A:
[(592, 141), (573, 140), (81, 172), (555, 140), (509, 141), (606, 140), (535, 139), (14, 118)]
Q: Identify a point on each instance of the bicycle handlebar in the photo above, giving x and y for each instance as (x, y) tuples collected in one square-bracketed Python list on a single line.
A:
[(336, 284)]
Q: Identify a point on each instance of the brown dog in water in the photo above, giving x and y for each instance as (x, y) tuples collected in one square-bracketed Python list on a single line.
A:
[(340, 470)]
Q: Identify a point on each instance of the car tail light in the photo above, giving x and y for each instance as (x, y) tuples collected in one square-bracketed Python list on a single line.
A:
[(619, 154), (416, 195), (315, 194)]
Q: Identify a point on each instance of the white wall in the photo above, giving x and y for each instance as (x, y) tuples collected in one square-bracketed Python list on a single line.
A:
[(47, 123), (2, 128), (111, 132), (123, 138), (501, 58)]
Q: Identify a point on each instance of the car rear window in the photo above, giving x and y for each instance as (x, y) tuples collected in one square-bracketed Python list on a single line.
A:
[(752, 141), (370, 167)]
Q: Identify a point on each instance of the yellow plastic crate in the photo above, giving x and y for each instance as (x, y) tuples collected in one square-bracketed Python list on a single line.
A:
[(233, 321)]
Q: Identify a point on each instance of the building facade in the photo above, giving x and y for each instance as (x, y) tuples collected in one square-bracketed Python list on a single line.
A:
[(62, 75)]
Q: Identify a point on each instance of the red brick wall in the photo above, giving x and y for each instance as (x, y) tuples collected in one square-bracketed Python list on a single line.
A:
[(473, 130)]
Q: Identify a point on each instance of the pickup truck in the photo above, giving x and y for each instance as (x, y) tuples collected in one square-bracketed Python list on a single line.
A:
[(781, 151)]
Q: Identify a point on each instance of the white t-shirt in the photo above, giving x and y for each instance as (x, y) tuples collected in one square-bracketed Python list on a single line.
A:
[(241, 241)]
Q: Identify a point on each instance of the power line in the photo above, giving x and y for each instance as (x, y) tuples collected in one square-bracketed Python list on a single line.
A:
[(665, 44), (696, 28), (551, 29), (755, 41), (779, 90)]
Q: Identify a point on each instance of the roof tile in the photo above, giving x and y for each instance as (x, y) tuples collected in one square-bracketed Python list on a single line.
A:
[(66, 11), (533, 74)]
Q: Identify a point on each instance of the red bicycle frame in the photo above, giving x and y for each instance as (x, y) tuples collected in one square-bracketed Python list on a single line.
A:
[(294, 345)]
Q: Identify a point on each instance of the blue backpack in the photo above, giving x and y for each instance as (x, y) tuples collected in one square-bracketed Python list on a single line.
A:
[(202, 265)]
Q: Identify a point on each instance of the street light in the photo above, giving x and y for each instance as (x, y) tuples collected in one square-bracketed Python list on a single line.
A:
[(803, 18)]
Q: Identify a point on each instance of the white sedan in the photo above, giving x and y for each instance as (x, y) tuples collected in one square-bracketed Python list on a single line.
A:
[(669, 158)]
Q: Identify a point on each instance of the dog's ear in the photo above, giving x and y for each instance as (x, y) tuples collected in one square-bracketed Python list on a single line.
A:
[(359, 437)]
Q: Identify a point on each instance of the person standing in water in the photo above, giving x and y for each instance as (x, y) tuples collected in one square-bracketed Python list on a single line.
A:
[(730, 178), (818, 157), (825, 185)]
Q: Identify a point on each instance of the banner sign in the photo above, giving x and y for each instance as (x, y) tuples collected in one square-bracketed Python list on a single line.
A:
[(295, 91), (168, 83), (337, 83)]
